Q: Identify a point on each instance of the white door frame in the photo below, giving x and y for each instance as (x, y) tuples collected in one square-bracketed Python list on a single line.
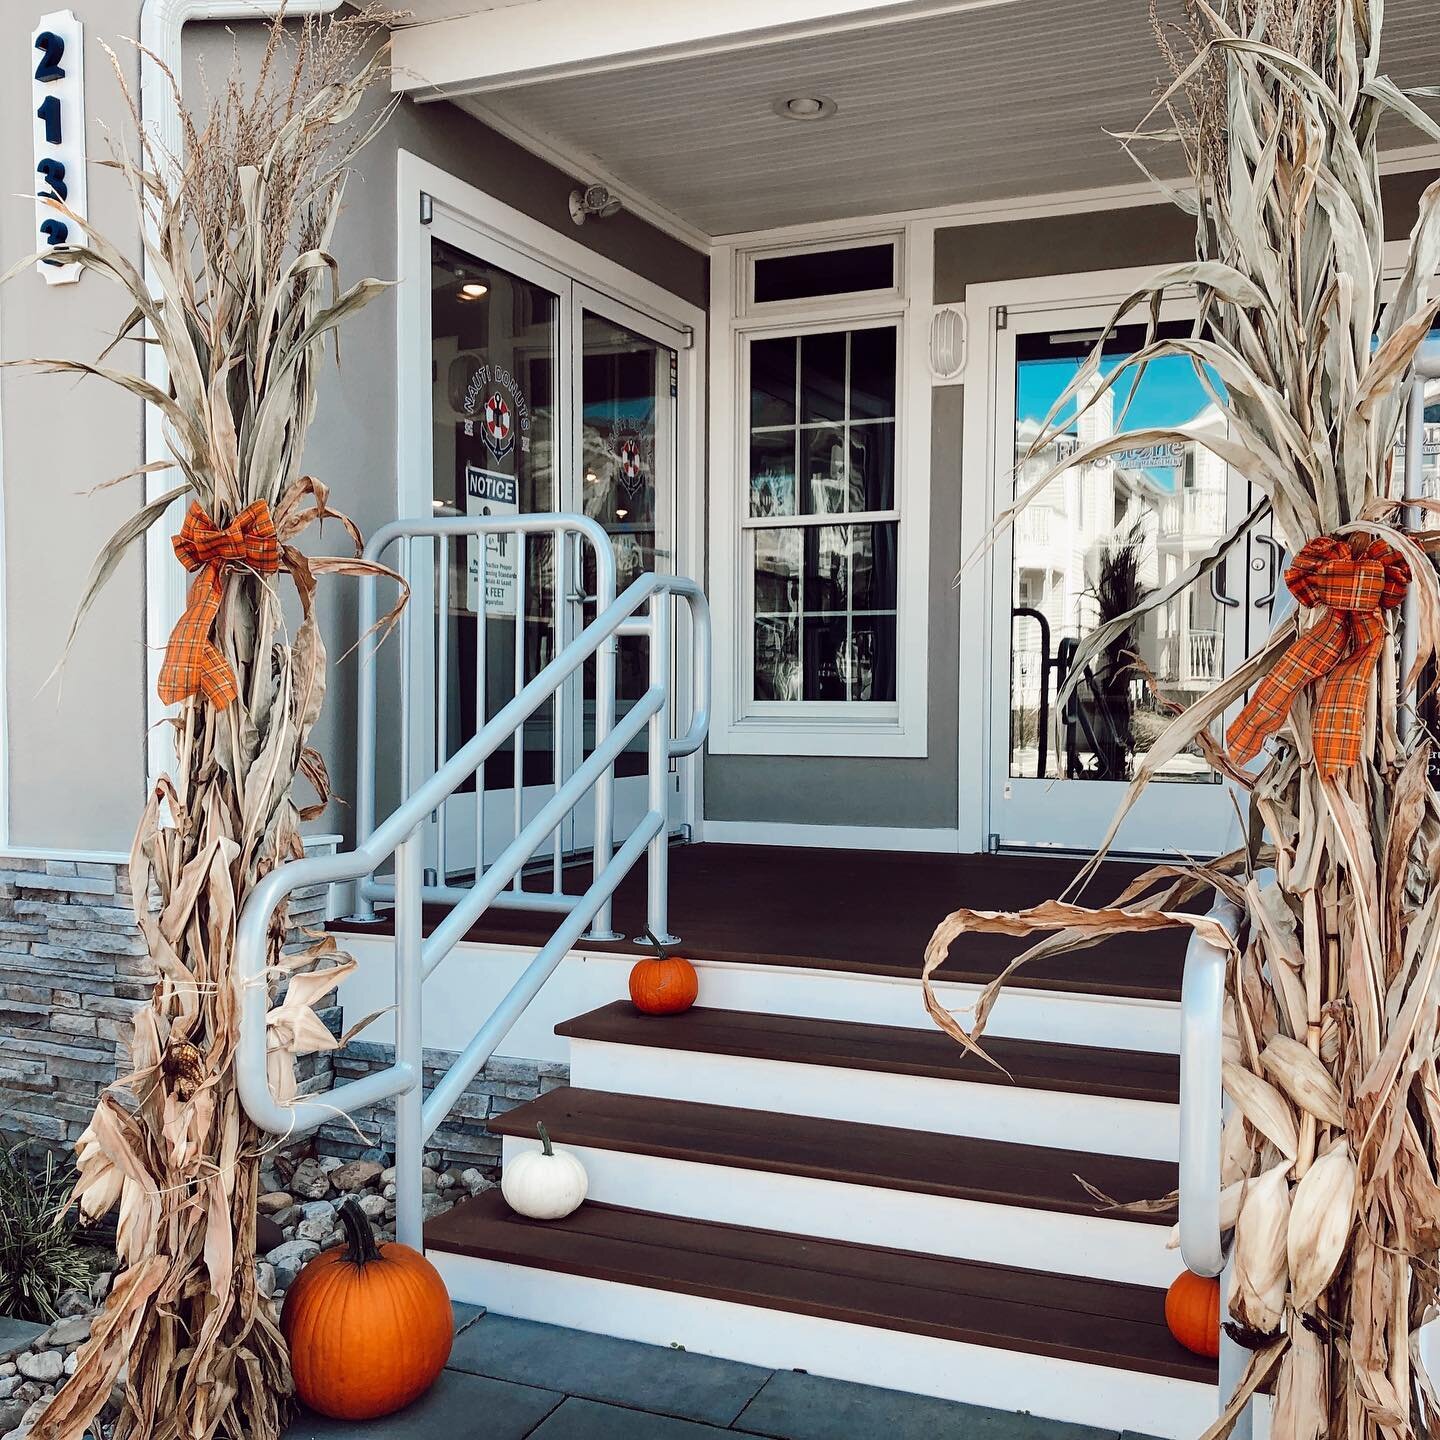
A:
[(424, 190), (981, 574)]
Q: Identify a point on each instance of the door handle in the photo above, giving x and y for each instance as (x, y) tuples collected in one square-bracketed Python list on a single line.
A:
[(1228, 600), (1277, 551)]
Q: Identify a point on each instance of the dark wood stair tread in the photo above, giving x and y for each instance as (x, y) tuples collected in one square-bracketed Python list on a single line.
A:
[(862, 911), (1100, 1322), (896, 1049), (959, 1166)]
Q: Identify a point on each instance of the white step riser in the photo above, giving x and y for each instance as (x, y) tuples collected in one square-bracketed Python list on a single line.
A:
[(911, 1102), (1019, 1013), (1111, 1400), (475, 979), (866, 1215)]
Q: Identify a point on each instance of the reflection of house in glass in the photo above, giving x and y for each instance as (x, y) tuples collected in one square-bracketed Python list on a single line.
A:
[(1168, 502)]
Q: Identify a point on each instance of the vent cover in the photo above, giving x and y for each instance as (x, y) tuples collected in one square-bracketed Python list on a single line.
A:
[(947, 344)]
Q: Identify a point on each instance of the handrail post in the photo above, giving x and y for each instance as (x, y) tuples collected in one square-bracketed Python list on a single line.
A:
[(1202, 1011), (658, 864), (409, 1042), (603, 927), (366, 682)]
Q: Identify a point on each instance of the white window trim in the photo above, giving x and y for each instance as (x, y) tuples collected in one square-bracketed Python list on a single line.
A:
[(739, 726)]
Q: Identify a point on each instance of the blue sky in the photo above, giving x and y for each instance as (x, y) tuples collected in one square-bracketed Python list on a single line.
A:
[(1170, 393)]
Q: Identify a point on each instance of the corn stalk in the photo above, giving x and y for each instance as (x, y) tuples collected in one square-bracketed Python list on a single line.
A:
[(244, 294), (1330, 1158)]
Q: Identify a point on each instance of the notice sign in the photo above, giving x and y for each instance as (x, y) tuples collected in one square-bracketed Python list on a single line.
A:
[(488, 493)]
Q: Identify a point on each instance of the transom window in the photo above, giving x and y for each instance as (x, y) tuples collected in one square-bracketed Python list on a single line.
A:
[(821, 524)]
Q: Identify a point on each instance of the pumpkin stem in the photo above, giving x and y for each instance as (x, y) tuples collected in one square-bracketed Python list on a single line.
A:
[(545, 1145), (361, 1247), (663, 951)]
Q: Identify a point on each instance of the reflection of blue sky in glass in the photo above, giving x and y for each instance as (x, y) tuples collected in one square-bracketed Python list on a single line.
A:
[(1170, 393)]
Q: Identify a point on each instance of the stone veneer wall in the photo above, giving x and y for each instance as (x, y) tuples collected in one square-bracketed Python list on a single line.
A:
[(73, 970), (462, 1140)]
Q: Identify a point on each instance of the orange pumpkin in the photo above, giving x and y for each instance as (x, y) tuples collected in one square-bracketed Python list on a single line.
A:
[(663, 983), (1192, 1311), (369, 1325)]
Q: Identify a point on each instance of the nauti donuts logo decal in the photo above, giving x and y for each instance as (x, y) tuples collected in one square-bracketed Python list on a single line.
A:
[(494, 407), (629, 443)]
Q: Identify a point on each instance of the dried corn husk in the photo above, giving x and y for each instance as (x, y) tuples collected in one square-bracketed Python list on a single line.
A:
[(1303, 1078), (1321, 1213), (1332, 1022), (1257, 1294), (237, 235)]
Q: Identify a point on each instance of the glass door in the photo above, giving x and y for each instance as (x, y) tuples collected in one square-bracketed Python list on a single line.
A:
[(545, 396), (1098, 539), (499, 393), (626, 384)]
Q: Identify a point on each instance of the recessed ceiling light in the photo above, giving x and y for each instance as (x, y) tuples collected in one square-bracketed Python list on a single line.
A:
[(804, 107), (473, 290)]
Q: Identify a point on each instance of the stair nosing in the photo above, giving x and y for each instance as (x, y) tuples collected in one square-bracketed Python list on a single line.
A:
[(984, 1151), (677, 1032)]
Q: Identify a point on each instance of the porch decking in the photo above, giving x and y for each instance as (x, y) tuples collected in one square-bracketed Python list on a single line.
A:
[(870, 912)]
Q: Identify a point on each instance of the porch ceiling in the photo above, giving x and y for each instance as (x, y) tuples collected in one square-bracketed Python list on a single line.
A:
[(940, 109)]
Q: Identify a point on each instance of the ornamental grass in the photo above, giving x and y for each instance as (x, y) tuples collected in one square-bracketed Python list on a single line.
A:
[(1329, 1162), (241, 296)]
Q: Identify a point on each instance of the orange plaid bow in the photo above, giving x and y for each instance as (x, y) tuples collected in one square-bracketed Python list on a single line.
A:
[(1354, 579), (193, 662)]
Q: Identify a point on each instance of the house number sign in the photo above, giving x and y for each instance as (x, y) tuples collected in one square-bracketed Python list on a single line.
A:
[(57, 69)]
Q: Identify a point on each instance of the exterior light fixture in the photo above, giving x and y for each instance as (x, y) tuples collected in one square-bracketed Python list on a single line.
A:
[(473, 290), (804, 107), (593, 200)]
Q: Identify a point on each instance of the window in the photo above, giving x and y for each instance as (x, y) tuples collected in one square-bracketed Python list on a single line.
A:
[(819, 539), (822, 446)]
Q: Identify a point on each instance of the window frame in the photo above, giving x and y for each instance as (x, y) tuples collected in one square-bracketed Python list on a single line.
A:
[(743, 725)]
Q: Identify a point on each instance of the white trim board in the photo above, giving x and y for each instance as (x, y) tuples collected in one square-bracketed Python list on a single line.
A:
[(830, 837), (477, 977), (557, 39)]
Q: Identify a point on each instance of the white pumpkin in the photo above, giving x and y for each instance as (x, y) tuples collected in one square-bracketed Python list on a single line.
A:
[(544, 1184)]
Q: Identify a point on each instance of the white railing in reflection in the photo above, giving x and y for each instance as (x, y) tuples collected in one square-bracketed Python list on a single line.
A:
[(1192, 658), (1194, 514), (645, 610)]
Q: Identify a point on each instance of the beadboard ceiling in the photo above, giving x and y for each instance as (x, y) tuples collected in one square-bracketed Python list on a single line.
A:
[(978, 106)]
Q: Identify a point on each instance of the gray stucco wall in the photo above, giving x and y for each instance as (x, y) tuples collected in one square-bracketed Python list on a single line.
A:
[(76, 753), (923, 793)]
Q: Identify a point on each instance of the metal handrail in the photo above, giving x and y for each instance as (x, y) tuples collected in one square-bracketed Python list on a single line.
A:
[(1202, 1007), (400, 836), (441, 531)]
